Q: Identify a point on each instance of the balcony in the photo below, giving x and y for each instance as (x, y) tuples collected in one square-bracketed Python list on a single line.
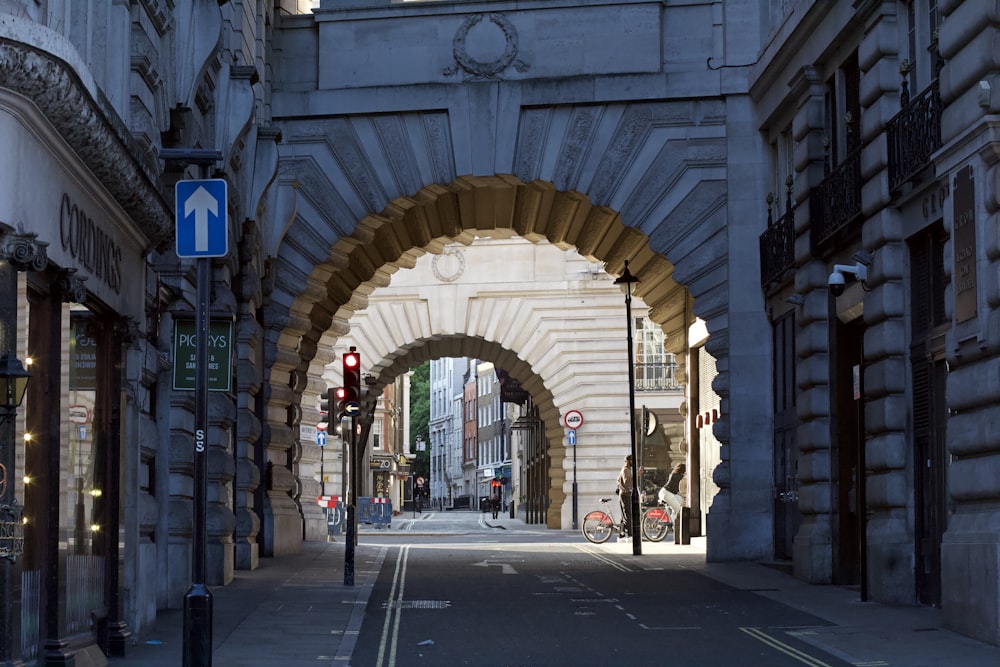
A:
[(913, 135), (835, 204), (777, 243), (657, 377)]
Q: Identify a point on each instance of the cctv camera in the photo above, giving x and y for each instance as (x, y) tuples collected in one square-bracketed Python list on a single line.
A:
[(843, 274), (837, 283)]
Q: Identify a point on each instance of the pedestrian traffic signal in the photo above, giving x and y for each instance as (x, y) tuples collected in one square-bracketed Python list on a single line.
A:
[(352, 380), (325, 401)]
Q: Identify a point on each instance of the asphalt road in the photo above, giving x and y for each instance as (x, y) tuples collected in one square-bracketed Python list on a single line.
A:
[(476, 600)]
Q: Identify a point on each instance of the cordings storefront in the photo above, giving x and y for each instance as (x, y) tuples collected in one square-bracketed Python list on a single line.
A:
[(78, 311)]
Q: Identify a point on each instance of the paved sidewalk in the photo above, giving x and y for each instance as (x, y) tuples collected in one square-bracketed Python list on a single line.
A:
[(296, 610)]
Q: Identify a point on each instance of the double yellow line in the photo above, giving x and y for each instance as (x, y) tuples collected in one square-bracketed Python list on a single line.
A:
[(393, 612), (606, 559), (804, 658)]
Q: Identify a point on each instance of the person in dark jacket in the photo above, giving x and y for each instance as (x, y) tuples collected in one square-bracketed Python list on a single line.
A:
[(625, 496)]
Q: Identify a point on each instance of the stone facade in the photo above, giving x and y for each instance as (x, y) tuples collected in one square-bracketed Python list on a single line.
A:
[(861, 443)]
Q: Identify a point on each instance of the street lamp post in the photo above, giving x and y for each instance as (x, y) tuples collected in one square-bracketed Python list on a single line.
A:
[(18, 252), (627, 279)]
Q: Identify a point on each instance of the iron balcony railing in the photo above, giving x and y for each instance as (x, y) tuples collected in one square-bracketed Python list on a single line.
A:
[(656, 377), (913, 134), (777, 243), (835, 204)]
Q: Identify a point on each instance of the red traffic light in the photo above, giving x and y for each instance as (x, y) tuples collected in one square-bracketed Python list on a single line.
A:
[(352, 382), (340, 393)]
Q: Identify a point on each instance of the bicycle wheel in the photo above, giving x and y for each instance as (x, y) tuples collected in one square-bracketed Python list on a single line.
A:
[(655, 524), (597, 527)]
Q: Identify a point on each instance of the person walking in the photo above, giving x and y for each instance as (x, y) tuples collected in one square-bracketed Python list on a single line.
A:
[(624, 492), (670, 494), (495, 505)]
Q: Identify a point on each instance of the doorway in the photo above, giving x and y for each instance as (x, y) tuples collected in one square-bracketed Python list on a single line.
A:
[(786, 452), (929, 373), (848, 453)]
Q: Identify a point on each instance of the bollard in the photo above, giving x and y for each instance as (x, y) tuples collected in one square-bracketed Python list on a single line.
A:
[(682, 527)]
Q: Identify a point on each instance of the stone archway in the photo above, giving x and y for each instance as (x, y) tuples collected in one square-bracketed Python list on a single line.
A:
[(345, 268), (546, 316)]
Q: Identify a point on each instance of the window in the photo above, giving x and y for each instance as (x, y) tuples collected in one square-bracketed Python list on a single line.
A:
[(783, 169), (843, 110), (654, 366), (922, 23), (649, 341)]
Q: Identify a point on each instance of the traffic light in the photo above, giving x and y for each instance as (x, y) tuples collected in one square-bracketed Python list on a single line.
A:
[(352, 382), (325, 401), (339, 395)]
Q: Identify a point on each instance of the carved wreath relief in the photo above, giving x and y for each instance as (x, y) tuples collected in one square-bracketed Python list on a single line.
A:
[(449, 265), (479, 70)]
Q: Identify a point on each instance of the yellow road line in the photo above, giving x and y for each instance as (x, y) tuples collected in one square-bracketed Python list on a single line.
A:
[(601, 557), (804, 658), (398, 584)]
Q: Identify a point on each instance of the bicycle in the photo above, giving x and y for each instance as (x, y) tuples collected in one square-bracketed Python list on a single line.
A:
[(657, 522), (599, 525)]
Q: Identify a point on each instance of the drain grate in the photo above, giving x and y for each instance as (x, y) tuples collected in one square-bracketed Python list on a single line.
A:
[(417, 604)]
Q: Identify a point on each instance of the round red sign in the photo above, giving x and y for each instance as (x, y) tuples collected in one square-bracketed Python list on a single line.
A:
[(573, 419)]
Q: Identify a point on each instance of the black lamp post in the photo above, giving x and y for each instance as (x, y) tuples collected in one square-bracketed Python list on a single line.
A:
[(635, 530), (18, 252), (13, 382)]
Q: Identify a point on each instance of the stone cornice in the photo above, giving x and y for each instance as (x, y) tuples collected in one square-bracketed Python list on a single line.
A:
[(92, 128)]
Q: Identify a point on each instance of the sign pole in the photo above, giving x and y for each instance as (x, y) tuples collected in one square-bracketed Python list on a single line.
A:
[(198, 601), (572, 438), (352, 502), (573, 420), (205, 203), (322, 476)]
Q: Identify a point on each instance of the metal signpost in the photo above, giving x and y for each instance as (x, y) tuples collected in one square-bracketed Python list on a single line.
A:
[(202, 233), (572, 421), (572, 441), (321, 441)]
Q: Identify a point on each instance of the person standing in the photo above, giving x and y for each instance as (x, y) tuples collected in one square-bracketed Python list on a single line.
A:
[(495, 505), (670, 494), (625, 496)]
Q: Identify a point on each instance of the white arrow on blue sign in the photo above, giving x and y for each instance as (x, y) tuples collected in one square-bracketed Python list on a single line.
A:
[(201, 218), (321, 438), (572, 436)]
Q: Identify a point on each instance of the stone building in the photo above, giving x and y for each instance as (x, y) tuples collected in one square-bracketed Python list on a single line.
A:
[(355, 136), (879, 270)]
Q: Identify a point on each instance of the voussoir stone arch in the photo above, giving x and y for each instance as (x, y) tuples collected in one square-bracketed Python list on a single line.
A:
[(321, 276)]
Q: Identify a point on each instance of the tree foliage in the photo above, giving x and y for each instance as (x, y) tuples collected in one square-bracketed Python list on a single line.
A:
[(420, 416)]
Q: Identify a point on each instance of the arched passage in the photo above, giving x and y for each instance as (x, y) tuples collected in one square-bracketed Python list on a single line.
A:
[(321, 275), (547, 316)]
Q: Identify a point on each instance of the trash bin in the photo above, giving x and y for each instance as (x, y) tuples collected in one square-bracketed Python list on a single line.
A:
[(484, 504)]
